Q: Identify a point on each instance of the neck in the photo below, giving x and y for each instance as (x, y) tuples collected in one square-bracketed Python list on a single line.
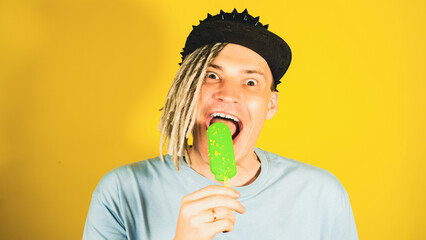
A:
[(248, 168)]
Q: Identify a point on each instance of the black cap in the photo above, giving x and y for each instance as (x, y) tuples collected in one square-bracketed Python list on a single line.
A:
[(242, 29)]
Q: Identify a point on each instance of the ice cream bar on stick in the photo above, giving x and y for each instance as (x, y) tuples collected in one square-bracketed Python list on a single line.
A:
[(221, 152)]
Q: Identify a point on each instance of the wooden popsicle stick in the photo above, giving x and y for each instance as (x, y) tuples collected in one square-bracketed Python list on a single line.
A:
[(226, 181)]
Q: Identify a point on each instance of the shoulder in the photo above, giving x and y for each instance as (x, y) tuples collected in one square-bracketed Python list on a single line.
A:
[(134, 174), (296, 167), (307, 180), (303, 175)]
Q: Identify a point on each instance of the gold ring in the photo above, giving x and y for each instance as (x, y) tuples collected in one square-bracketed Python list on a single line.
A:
[(214, 215)]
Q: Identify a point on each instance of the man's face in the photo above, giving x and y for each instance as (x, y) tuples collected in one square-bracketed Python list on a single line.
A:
[(238, 83)]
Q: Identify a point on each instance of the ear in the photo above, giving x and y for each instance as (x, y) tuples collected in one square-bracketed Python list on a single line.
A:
[(272, 105)]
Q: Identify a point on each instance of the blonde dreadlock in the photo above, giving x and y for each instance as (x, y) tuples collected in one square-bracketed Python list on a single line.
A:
[(179, 111)]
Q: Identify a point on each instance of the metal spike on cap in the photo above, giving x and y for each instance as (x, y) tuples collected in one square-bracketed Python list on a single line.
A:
[(257, 21), (234, 12), (222, 14)]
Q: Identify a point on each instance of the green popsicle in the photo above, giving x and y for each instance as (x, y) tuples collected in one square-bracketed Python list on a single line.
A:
[(221, 152)]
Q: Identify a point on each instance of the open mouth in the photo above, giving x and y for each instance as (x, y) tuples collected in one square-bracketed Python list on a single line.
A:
[(234, 124)]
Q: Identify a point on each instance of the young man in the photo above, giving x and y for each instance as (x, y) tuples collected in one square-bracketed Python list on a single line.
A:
[(231, 67)]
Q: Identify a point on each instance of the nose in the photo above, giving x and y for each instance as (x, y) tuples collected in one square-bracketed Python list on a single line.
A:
[(228, 92)]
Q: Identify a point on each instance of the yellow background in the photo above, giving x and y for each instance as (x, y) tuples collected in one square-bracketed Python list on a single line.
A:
[(82, 82)]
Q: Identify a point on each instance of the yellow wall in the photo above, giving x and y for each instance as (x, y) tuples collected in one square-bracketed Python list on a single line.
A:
[(82, 82)]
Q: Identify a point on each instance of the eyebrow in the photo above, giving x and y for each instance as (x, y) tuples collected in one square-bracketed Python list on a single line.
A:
[(248, 71)]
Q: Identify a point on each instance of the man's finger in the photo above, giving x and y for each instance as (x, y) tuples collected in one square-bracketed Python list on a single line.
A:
[(217, 201), (224, 225), (208, 216), (212, 190)]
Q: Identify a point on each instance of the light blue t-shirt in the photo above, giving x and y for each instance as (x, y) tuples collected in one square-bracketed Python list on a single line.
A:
[(289, 200)]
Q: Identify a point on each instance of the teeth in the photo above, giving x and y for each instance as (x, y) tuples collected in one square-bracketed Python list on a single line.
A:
[(223, 115)]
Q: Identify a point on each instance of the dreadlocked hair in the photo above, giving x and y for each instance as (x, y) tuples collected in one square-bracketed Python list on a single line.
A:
[(179, 111)]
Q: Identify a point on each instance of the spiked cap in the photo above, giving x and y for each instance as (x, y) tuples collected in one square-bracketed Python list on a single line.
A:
[(243, 29)]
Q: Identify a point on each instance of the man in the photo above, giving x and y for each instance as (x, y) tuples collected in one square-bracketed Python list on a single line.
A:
[(230, 70)]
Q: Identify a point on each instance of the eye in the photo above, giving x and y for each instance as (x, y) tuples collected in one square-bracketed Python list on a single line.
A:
[(212, 75), (250, 82)]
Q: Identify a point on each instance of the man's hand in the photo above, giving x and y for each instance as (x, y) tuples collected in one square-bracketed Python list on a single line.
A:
[(196, 215)]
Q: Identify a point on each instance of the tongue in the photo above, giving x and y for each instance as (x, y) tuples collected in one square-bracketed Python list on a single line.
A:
[(229, 123)]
